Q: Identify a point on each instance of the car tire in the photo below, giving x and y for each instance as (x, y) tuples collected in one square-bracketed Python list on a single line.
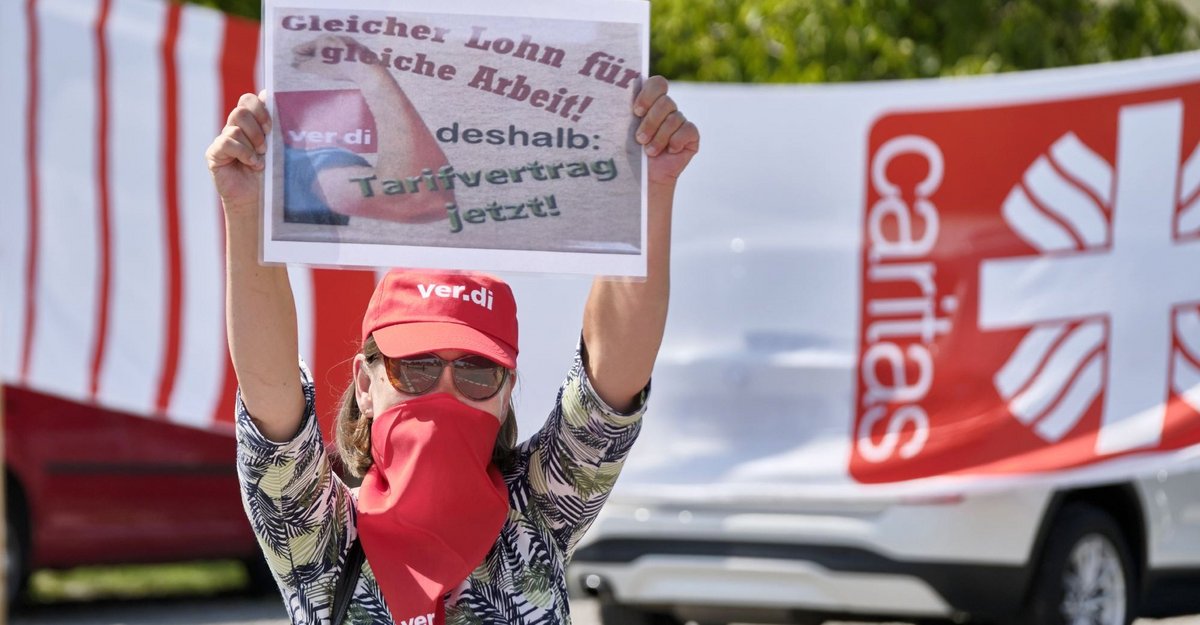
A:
[(260, 581), (612, 613), (16, 557), (1086, 573)]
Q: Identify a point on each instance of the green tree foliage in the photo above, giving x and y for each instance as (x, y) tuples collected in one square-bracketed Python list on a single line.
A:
[(841, 40), (245, 8), (835, 40)]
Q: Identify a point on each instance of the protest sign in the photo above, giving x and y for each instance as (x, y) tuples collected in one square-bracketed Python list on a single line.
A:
[(456, 135)]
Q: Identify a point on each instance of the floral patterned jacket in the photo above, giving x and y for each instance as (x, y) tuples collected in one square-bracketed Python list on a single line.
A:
[(304, 515)]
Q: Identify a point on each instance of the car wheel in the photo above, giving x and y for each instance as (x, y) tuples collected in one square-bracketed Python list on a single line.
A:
[(616, 614), (15, 559), (261, 582), (1086, 575)]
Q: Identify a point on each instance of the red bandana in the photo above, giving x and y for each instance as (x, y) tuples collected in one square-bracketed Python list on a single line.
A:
[(432, 505)]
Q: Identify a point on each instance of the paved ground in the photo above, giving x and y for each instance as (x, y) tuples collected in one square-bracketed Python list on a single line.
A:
[(241, 611)]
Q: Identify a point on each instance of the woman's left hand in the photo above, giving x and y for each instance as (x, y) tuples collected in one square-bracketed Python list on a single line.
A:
[(669, 139), (623, 320)]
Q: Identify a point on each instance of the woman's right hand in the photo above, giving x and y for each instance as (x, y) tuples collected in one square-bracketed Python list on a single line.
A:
[(235, 157), (260, 309)]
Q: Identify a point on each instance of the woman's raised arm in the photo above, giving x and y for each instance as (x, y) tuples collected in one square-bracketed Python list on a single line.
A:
[(259, 309), (623, 320)]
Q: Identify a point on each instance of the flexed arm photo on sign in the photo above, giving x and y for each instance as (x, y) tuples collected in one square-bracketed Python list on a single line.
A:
[(327, 178)]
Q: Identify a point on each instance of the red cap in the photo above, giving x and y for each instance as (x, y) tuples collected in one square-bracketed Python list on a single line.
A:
[(414, 312)]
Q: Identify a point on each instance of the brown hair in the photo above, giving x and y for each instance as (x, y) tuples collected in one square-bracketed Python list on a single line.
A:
[(352, 433)]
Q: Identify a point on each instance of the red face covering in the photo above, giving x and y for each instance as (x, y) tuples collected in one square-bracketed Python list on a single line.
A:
[(432, 505)]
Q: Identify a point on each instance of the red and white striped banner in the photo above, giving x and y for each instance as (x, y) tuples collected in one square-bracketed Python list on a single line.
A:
[(112, 240)]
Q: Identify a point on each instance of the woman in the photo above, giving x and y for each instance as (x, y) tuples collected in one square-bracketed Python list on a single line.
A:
[(456, 527)]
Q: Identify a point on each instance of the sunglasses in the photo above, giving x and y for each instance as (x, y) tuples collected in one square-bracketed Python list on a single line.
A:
[(476, 377)]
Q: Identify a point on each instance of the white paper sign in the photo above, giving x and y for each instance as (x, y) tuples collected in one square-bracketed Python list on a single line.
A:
[(456, 135)]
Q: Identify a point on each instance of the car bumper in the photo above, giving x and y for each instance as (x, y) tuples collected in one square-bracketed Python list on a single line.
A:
[(890, 561), (693, 582)]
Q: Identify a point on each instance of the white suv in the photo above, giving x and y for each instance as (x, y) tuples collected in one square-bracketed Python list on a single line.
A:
[(1101, 555)]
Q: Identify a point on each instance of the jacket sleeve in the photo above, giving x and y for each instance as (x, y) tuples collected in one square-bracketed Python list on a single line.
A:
[(574, 460), (300, 511)]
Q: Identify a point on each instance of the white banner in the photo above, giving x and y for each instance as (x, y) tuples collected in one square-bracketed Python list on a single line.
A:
[(920, 286)]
